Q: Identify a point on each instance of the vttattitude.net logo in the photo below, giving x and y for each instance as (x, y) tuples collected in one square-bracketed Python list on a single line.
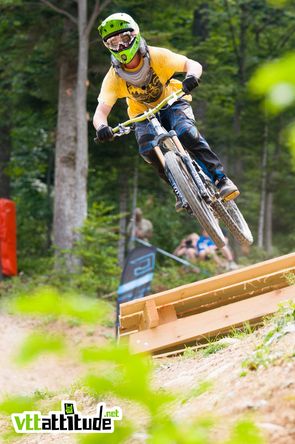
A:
[(68, 420)]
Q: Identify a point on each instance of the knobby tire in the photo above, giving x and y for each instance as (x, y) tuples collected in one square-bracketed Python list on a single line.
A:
[(231, 216), (198, 206)]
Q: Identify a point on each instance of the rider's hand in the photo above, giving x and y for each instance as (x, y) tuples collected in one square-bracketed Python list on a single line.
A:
[(189, 83), (104, 133)]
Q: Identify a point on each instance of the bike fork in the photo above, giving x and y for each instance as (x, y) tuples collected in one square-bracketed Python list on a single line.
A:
[(190, 167), (196, 178)]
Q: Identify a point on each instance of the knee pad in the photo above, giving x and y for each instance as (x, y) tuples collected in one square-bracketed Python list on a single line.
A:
[(188, 135)]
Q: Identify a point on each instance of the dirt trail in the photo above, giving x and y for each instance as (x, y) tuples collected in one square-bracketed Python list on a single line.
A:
[(48, 373), (268, 393)]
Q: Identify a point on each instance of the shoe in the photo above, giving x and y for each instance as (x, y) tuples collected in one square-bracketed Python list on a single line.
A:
[(227, 189), (178, 205)]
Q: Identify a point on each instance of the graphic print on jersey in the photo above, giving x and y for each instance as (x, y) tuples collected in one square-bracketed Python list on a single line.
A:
[(150, 93)]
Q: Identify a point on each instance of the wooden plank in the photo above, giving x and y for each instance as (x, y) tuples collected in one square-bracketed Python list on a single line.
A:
[(209, 323), (232, 293), (213, 299), (135, 322), (150, 317), (130, 322), (167, 314), (211, 284)]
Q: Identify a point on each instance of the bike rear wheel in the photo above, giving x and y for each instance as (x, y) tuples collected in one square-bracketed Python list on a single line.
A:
[(198, 206), (231, 216)]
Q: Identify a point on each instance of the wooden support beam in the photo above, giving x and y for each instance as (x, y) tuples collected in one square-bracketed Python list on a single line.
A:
[(209, 323), (150, 317), (167, 314), (211, 284)]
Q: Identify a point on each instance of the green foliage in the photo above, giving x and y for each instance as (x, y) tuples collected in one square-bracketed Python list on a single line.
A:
[(17, 404), (37, 344), (97, 248), (276, 80), (245, 432), (124, 376), (49, 302)]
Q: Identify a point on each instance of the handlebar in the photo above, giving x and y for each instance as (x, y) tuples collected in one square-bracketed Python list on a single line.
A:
[(124, 128)]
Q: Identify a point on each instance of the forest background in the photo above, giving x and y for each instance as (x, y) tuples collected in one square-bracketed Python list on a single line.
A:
[(52, 63)]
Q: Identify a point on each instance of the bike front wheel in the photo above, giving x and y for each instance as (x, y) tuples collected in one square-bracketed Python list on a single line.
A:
[(189, 190)]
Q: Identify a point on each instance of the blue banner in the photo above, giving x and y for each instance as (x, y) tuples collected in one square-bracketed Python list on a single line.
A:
[(137, 276)]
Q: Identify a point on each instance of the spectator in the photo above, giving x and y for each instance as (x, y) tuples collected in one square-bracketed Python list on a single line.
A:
[(187, 247), (143, 228), (206, 249)]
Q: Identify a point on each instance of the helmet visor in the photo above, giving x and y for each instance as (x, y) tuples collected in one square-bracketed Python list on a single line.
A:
[(120, 42)]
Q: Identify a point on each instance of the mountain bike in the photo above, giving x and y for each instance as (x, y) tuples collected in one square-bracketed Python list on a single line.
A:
[(195, 190)]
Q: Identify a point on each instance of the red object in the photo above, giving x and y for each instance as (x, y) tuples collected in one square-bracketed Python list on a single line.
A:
[(8, 237)]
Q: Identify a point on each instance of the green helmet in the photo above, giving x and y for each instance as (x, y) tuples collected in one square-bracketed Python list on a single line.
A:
[(115, 25)]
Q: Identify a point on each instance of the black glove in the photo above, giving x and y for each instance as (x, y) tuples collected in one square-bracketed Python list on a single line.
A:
[(103, 134), (189, 83)]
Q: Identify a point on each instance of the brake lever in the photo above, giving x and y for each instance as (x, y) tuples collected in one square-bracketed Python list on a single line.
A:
[(122, 130)]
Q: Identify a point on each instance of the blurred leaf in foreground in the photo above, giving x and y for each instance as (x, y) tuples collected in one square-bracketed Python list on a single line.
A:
[(37, 344), (131, 378), (49, 302), (276, 80), (245, 432), (14, 404)]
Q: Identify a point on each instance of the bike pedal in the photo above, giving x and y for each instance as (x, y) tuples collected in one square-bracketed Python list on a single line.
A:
[(232, 196)]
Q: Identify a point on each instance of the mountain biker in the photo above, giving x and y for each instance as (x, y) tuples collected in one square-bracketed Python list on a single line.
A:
[(144, 76)]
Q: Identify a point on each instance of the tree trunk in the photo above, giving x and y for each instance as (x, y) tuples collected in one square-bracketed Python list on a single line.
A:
[(268, 222), (261, 221), (5, 150), (131, 243), (271, 185), (81, 110), (49, 172), (65, 163), (123, 207), (71, 163)]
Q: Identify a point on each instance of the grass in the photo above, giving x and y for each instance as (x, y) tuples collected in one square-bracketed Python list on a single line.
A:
[(242, 332), (210, 348), (189, 352), (214, 347), (290, 278), (265, 353)]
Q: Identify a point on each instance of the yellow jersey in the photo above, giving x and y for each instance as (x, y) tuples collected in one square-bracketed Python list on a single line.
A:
[(164, 64)]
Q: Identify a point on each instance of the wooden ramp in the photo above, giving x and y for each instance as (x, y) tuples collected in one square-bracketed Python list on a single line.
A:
[(192, 312)]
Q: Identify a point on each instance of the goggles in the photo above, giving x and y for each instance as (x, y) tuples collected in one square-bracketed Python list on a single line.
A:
[(121, 41)]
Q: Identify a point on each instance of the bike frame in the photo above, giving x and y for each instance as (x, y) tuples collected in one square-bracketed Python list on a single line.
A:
[(163, 136)]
